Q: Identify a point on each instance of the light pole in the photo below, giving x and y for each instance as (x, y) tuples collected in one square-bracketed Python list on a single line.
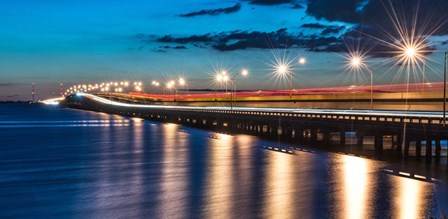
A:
[(157, 84), (283, 71), (183, 83), (302, 62), (243, 72), (444, 88), (358, 63), (171, 85)]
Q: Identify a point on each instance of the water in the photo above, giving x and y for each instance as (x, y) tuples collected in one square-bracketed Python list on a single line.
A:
[(59, 163)]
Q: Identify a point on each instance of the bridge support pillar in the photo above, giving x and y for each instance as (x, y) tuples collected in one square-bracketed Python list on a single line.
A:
[(428, 150), (438, 149), (342, 138), (273, 130), (298, 135), (360, 140), (418, 148), (379, 143), (399, 144), (313, 136), (326, 137), (406, 148), (285, 132)]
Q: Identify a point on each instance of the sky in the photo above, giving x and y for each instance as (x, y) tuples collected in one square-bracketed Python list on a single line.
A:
[(49, 42)]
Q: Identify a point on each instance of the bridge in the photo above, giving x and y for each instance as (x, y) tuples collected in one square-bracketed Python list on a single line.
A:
[(400, 133)]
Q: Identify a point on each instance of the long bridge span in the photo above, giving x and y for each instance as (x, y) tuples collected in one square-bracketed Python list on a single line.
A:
[(402, 133)]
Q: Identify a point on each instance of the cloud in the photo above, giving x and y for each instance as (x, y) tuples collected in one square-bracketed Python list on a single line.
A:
[(239, 40), (314, 25), (431, 15), (214, 12), (332, 30), (182, 40), (269, 2), (173, 47), (376, 21), (331, 10)]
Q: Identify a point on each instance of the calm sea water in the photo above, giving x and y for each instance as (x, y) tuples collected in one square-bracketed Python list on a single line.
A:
[(63, 163)]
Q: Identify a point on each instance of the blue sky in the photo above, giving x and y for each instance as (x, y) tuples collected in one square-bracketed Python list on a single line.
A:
[(52, 41)]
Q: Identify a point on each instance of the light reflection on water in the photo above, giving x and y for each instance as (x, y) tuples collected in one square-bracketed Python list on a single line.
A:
[(356, 188), (410, 202), (219, 177), (279, 187), (154, 170)]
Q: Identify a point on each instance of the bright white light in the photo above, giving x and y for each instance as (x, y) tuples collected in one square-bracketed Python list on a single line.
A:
[(282, 69), (181, 81), (410, 52), (225, 78), (355, 61), (244, 72), (219, 77), (302, 61)]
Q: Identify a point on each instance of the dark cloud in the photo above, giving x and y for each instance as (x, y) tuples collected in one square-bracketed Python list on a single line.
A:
[(376, 20), (332, 30), (269, 2), (340, 10), (237, 40), (431, 14), (314, 25), (214, 12), (173, 47), (191, 39)]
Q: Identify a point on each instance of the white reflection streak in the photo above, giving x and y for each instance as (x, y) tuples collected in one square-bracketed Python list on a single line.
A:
[(219, 190), (279, 186), (245, 143), (174, 182), (409, 198), (355, 187)]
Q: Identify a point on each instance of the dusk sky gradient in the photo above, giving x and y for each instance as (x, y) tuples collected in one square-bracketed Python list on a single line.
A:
[(54, 41)]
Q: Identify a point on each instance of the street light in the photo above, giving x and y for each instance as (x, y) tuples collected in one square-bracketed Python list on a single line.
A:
[(302, 62), (444, 88), (183, 83), (283, 70), (243, 72), (171, 85), (357, 62)]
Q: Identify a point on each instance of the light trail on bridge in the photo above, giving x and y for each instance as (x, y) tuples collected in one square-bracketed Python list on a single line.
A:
[(420, 114)]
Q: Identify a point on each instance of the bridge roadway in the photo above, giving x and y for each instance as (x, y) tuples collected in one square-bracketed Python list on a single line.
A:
[(416, 129)]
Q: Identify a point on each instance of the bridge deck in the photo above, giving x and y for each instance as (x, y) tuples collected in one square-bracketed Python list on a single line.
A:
[(420, 117)]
